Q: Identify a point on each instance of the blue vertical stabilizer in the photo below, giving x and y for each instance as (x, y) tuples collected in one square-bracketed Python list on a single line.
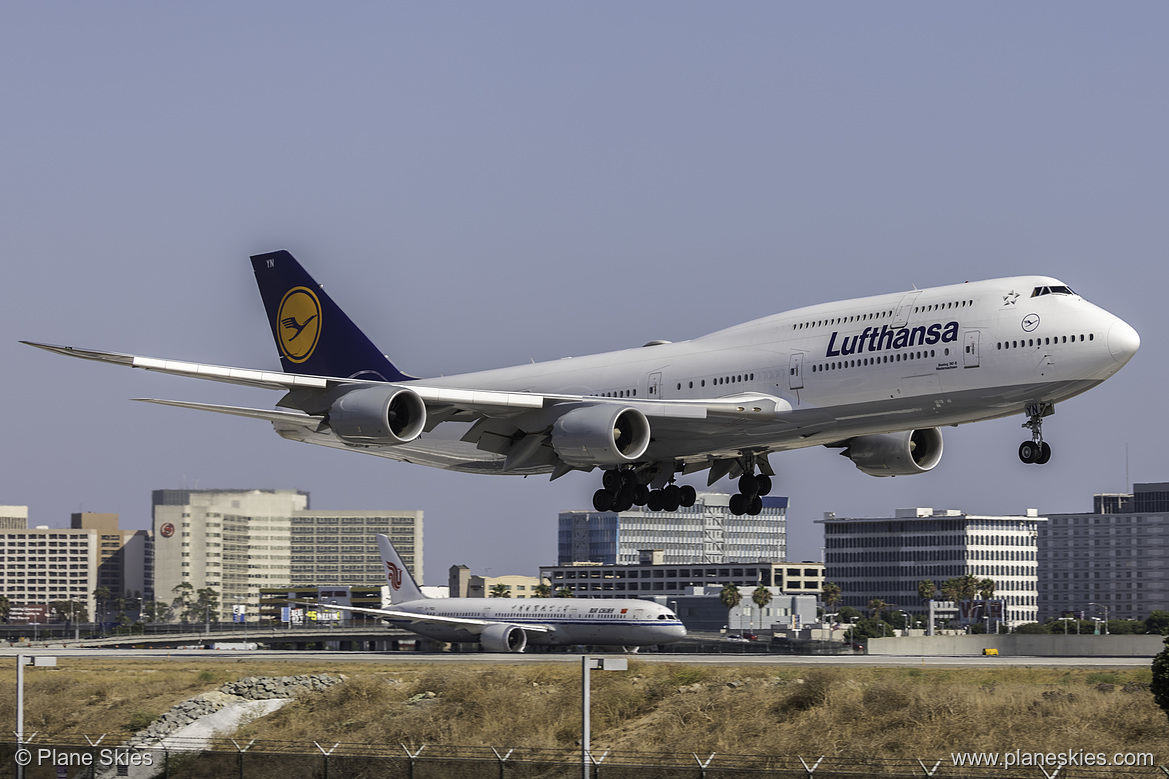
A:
[(313, 334)]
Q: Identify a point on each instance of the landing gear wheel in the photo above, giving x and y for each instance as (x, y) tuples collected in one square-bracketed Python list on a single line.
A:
[(671, 498), (612, 479), (1044, 453), (763, 484), (655, 501), (739, 504), (689, 496), (640, 495), (749, 485), (755, 507), (602, 500), (1029, 452)]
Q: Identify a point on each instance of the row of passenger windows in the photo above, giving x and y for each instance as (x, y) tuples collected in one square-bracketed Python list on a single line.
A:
[(898, 357), (1043, 341), (844, 320), (719, 381)]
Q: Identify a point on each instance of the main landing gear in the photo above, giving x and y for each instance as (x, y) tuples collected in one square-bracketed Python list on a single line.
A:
[(1036, 450), (623, 490), (749, 498)]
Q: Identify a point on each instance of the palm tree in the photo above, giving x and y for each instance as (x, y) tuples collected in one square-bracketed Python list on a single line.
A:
[(102, 596), (566, 592), (878, 607), (830, 594), (986, 589), (543, 590), (730, 597), (761, 597), (926, 589), (500, 591), (5, 607)]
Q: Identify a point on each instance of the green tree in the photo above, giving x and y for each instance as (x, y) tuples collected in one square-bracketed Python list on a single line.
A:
[(878, 607), (102, 596), (1032, 628), (830, 594), (155, 611), (5, 607), (729, 597), (1160, 685), (848, 614), (68, 611), (1157, 622), (926, 590), (566, 592), (184, 593), (986, 588), (761, 596), (205, 607), (543, 590), (500, 591)]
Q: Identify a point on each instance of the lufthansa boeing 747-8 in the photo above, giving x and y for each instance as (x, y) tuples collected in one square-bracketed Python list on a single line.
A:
[(876, 377)]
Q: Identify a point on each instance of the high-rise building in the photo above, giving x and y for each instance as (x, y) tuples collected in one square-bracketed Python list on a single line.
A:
[(238, 542), (43, 565), (707, 532), (13, 517), (1115, 558), (887, 558)]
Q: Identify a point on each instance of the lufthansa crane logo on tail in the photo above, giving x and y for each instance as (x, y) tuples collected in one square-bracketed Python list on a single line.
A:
[(298, 321), (394, 575)]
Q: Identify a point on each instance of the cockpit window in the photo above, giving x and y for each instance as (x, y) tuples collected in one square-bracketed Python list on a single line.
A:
[(1054, 290)]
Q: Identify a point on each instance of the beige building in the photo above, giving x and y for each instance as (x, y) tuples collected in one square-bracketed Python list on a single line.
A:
[(238, 542), (41, 565), (463, 584)]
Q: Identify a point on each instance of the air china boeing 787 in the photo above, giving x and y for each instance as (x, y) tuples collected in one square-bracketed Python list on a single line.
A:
[(875, 377), (510, 625)]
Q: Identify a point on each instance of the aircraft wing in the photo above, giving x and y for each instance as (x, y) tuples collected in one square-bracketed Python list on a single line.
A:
[(471, 625)]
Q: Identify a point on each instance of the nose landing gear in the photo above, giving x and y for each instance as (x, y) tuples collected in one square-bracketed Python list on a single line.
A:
[(1036, 450)]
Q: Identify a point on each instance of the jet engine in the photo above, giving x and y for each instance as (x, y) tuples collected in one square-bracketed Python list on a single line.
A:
[(603, 434), (896, 454), (503, 638), (378, 415)]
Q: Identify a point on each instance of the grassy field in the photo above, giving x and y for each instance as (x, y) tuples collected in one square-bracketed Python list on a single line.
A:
[(883, 713)]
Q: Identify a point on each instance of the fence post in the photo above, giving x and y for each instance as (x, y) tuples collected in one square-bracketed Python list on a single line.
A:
[(815, 765), (413, 757), (93, 753), (501, 758), (702, 766), (326, 754), (241, 755)]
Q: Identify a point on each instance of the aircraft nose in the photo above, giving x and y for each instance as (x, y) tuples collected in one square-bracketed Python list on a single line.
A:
[(1123, 341)]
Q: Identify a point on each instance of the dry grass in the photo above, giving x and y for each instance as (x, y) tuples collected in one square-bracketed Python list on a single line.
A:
[(881, 713)]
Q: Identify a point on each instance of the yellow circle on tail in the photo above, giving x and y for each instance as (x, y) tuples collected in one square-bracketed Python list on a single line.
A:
[(298, 321)]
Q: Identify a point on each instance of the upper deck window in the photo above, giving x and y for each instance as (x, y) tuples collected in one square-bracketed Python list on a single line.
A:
[(1055, 290)]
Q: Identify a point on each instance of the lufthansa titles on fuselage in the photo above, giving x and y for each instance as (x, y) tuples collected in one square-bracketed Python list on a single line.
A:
[(873, 340)]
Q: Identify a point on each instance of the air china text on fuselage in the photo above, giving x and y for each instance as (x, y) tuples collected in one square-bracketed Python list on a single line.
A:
[(873, 340)]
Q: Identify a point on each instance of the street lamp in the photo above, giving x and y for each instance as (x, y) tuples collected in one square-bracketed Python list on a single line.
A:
[(1099, 606)]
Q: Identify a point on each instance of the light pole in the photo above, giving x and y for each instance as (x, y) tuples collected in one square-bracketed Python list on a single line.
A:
[(1105, 608)]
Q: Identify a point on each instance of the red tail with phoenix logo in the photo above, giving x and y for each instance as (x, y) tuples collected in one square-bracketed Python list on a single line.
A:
[(402, 585)]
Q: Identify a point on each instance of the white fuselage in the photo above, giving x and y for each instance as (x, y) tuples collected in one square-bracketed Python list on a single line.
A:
[(926, 358), (569, 621)]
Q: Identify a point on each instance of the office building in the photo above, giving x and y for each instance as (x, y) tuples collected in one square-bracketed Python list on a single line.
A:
[(887, 558), (1114, 560), (643, 580), (42, 565), (707, 532), (13, 517), (238, 542)]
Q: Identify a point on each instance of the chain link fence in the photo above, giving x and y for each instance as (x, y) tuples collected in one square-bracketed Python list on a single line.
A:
[(84, 757)]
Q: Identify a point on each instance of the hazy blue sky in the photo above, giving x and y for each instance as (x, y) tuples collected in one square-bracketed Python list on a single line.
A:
[(483, 184)]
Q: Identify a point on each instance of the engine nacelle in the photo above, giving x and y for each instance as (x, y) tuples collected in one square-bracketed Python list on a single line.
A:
[(896, 454), (503, 638), (378, 415), (603, 434)]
